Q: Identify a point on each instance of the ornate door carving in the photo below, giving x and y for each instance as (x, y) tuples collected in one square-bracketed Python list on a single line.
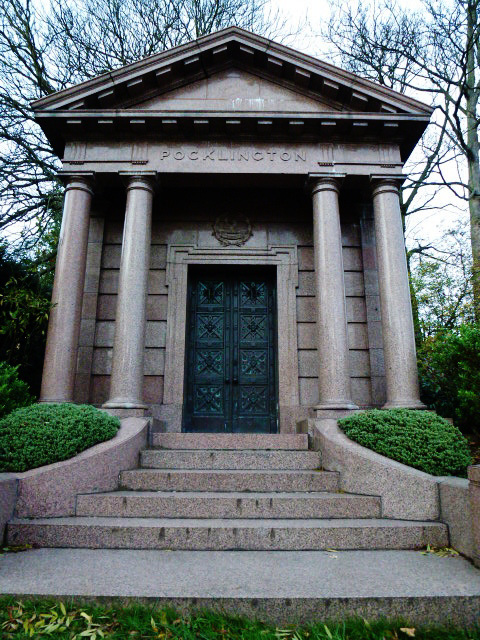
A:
[(231, 352)]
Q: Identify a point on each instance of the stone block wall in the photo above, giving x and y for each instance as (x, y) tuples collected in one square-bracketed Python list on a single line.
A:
[(156, 315), (286, 222), (88, 324), (356, 318)]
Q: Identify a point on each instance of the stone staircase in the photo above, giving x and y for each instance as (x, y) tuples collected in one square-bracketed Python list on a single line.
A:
[(228, 492)]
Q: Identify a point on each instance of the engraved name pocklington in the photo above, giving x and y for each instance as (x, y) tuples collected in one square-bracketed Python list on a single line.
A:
[(228, 154)]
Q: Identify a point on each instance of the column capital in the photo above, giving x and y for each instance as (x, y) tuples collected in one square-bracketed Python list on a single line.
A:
[(79, 181), (146, 180), (386, 184), (325, 182)]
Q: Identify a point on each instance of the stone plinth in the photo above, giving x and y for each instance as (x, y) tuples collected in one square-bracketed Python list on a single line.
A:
[(474, 488)]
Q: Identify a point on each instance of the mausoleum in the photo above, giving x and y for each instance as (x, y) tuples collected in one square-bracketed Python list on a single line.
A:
[(232, 254)]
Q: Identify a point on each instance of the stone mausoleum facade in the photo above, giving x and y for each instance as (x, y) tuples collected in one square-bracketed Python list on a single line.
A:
[(232, 254)]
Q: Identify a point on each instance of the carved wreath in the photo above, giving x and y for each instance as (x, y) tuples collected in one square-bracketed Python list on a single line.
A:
[(232, 231)]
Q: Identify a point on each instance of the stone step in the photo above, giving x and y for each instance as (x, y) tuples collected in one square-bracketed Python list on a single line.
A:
[(165, 504), (284, 587), (195, 534), (278, 441), (217, 459), (203, 480)]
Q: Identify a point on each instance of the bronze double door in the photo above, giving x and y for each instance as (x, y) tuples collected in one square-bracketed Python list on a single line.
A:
[(231, 369)]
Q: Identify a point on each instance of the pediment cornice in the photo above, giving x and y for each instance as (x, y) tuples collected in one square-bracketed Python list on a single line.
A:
[(200, 58), (340, 103)]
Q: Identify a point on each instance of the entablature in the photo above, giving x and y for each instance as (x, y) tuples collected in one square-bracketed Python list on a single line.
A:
[(233, 157)]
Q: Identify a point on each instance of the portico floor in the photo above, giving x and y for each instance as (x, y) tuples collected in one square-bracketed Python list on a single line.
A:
[(282, 587)]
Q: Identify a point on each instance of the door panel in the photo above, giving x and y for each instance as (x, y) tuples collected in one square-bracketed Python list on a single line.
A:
[(230, 362)]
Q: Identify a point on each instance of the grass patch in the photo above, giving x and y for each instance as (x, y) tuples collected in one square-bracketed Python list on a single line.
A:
[(75, 621)]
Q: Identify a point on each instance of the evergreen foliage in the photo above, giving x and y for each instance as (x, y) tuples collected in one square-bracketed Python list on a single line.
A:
[(420, 439), (25, 292), (45, 433), (14, 393), (449, 365)]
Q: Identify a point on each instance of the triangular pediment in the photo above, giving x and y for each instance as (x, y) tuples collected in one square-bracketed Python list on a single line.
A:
[(231, 83), (204, 58), (235, 90)]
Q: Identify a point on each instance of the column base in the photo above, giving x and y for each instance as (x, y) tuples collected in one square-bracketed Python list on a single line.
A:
[(334, 406), (55, 401), (335, 410), (406, 404), (126, 413), (123, 404), (125, 409)]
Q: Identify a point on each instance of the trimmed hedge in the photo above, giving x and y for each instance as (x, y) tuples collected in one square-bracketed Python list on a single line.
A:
[(14, 393), (420, 439), (44, 433)]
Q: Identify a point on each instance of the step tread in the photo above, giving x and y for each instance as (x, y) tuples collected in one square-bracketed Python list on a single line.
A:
[(251, 495), (213, 459), (280, 587), (243, 480), (252, 450), (231, 441), (229, 472), (260, 523), (267, 453)]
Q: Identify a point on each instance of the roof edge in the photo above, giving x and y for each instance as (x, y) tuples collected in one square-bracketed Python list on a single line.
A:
[(111, 78)]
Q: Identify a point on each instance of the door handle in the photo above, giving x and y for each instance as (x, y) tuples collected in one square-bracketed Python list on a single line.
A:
[(227, 380)]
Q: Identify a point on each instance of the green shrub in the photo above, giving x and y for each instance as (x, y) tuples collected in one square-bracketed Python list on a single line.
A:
[(420, 439), (14, 393), (449, 367), (46, 433)]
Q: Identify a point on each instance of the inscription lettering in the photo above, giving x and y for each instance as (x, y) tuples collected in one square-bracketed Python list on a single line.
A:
[(227, 154)]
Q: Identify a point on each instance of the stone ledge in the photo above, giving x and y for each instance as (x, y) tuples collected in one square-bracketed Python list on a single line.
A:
[(8, 498), (281, 587), (51, 490), (456, 512), (406, 493), (474, 496)]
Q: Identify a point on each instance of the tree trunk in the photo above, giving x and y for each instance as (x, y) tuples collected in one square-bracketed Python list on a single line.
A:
[(473, 151)]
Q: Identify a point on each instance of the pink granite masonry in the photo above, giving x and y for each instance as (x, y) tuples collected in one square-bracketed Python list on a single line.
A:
[(406, 492), (278, 441), (474, 489), (215, 459), (202, 480), (8, 497), (193, 504), (51, 490), (194, 534)]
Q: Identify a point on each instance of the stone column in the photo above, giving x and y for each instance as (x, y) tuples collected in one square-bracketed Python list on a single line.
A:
[(126, 388), (333, 362), (397, 320), (64, 323)]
